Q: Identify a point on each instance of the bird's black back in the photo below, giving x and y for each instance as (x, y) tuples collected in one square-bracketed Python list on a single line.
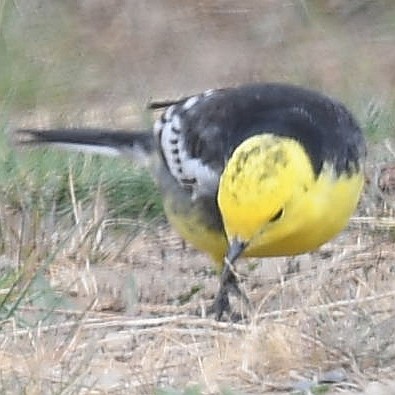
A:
[(221, 120)]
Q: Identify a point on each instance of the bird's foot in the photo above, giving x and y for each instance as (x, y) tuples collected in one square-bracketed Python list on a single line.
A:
[(229, 284)]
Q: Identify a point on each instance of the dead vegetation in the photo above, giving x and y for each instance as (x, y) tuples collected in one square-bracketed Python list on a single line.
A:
[(94, 304), (126, 316)]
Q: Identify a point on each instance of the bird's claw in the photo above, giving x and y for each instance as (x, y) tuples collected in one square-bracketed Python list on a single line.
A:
[(229, 283)]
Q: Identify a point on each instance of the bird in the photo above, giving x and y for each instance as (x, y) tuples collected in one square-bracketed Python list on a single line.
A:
[(256, 170)]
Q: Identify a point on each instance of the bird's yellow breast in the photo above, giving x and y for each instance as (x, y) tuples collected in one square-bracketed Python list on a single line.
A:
[(193, 229)]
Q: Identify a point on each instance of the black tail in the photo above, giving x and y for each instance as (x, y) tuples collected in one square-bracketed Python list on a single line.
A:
[(101, 141)]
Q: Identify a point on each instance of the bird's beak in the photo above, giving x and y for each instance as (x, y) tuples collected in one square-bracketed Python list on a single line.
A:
[(235, 249)]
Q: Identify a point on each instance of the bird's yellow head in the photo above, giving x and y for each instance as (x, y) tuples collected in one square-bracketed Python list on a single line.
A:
[(259, 191)]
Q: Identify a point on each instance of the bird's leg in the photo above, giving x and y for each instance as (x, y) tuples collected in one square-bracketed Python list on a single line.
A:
[(229, 282), (221, 302)]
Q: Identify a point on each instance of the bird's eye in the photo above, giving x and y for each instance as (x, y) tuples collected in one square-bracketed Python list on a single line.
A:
[(277, 216)]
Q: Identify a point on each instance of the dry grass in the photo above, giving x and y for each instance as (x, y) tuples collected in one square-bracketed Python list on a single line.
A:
[(126, 317), (99, 307)]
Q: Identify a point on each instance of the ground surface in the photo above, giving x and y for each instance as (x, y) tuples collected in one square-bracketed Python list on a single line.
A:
[(132, 322), (115, 311)]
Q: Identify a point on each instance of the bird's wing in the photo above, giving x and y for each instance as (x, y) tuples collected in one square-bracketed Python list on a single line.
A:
[(190, 140)]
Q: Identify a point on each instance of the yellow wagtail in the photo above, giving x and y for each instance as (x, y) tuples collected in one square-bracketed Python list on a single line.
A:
[(260, 170)]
